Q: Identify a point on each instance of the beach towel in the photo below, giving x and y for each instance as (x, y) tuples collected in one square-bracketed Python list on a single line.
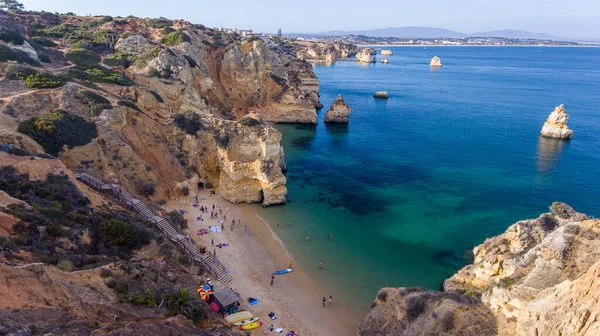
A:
[(253, 302), (215, 229)]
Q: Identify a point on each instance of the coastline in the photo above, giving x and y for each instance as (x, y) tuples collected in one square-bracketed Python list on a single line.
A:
[(252, 257), (470, 45)]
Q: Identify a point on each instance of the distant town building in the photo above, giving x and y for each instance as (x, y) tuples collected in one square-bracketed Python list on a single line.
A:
[(279, 32)]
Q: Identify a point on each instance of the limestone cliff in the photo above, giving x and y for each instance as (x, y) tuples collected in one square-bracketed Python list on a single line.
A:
[(436, 62), (339, 111), (324, 51), (540, 277), (364, 56), (556, 125), (182, 88)]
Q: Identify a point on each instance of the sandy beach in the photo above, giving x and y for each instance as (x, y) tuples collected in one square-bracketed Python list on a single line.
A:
[(252, 257)]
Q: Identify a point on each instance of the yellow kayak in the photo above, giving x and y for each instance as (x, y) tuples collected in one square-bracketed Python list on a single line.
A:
[(239, 317), (251, 326), (254, 319)]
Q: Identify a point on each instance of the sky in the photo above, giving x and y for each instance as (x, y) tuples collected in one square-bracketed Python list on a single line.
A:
[(570, 18)]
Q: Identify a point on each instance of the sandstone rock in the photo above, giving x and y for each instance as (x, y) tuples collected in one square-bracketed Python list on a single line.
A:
[(381, 94), (364, 56), (436, 62), (134, 44), (556, 125), (339, 111), (324, 51), (386, 52), (417, 311), (385, 61)]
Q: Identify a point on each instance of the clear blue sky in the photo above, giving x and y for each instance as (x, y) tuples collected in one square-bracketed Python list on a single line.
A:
[(572, 18)]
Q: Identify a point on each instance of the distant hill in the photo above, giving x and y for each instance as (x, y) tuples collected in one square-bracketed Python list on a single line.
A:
[(430, 32), (403, 32), (520, 34)]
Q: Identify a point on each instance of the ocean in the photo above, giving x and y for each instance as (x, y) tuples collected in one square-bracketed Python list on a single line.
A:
[(454, 156)]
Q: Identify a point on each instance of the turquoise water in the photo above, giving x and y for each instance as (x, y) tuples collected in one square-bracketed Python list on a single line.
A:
[(412, 184)]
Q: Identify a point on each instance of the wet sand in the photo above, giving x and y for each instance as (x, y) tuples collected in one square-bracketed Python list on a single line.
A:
[(252, 257)]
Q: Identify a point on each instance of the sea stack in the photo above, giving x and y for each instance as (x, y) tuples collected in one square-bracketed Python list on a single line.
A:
[(338, 112), (436, 62), (364, 56), (556, 125), (381, 94)]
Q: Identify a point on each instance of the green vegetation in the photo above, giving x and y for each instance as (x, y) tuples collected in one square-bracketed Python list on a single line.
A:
[(9, 54), (146, 57), (44, 81), (145, 188), (188, 121), (45, 58), (100, 74), (10, 36), (200, 26), (249, 121), (105, 37), (159, 23), (15, 71), (176, 37), (184, 302), (177, 218), (507, 282), (119, 233), (130, 104), (56, 202), (65, 265), (11, 5), (58, 31), (43, 41), (96, 102), (157, 96), (54, 130), (83, 57), (118, 59)]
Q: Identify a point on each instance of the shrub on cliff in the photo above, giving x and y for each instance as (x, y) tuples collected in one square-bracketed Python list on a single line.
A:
[(44, 81), (118, 59), (59, 31), (184, 302), (19, 56), (145, 188), (96, 102), (10, 36), (122, 234), (99, 74), (83, 57), (43, 41), (188, 122), (159, 23), (130, 104), (15, 71), (176, 37), (54, 130), (45, 58), (143, 59), (177, 218)]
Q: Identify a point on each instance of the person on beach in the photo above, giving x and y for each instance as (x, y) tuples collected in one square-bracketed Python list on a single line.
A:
[(187, 237), (212, 242), (290, 264), (324, 302), (330, 300), (320, 264), (222, 226), (272, 279), (278, 226), (245, 228)]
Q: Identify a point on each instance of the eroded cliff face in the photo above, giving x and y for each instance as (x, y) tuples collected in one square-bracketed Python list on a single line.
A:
[(540, 277), (216, 78), (324, 51)]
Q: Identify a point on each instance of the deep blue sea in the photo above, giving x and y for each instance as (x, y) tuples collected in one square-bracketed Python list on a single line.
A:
[(413, 183)]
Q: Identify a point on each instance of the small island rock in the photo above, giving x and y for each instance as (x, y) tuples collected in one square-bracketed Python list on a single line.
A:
[(556, 125), (436, 62), (364, 56), (339, 111), (381, 94)]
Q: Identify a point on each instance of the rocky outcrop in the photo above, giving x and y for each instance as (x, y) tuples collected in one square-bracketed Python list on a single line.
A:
[(324, 51), (364, 56), (381, 94), (417, 311), (385, 61), (243, 159), (540, 277), (27, 48), (134, 44), (339, 111), (436, 62), (386, 52), (556, 125)]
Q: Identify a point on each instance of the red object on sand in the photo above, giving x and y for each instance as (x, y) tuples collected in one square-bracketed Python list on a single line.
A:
[(214, 307)]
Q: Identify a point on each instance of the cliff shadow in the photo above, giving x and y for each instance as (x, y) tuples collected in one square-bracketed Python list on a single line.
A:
[(548, 153), (337, 128)]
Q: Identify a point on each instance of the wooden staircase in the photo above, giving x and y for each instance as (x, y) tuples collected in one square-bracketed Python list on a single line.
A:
[(189, 247)]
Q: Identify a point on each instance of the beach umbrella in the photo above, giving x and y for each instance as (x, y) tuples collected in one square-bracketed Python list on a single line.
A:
[(204, 292)]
